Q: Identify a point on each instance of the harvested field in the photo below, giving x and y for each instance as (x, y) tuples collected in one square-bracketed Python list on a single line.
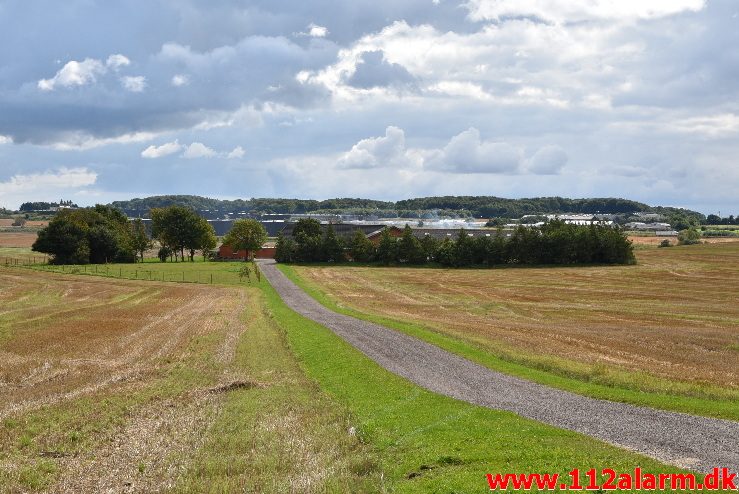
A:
[(673, 316), (130, 386), (63, 340), (94, 376), (17, 239), (4, 222), (655, 241)]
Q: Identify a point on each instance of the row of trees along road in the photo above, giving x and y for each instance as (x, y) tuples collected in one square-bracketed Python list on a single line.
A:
[(92, 235), (554, 243), (179, 229)]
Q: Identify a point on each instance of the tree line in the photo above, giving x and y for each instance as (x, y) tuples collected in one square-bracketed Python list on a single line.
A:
[(553, 243), (92, 236), (450, 206)]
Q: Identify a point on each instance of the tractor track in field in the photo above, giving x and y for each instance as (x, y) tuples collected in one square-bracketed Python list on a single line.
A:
[(686, 441)]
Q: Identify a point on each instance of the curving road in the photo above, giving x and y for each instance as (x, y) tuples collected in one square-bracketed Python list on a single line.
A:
[(696, 443)]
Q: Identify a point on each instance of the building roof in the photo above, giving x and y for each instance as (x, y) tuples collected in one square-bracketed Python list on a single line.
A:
[(341, 229)]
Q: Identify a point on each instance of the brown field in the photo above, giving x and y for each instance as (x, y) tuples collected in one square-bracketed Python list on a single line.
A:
[(130, 386), (17, 239), (655, 241), (9, 222), (90, 359), (62, 340), (673, 316)]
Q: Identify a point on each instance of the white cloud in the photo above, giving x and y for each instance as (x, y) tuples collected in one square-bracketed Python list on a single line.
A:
[(467, 153), (578, 10), (46, 185), (86, 72), (198, 150), (117, 61), (317, 31), (5, 139), (314, 31), (237, 153), (164, 150), (82, 141), (549, 160), (135, 84), (74, 74), (377, 152), (180, 80)]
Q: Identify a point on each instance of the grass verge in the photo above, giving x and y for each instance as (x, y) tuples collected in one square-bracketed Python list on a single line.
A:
[(279, 432)]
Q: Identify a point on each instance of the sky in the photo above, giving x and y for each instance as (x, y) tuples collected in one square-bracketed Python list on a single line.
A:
[(382, 99)]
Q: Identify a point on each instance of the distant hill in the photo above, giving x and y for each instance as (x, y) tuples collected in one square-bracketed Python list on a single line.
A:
[(460, 206)]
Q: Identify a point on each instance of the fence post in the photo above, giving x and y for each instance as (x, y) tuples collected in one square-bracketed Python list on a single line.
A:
[(211, 278), (183, 277)]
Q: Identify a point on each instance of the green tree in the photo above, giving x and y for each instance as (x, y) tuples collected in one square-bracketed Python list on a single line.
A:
[(429, 245), (248, 235), (307, 226), (464, 249), (387, 250), (80, 236), (284, 249), (332, 247), (361, 248), (201, 237), (689, 236), (446, 252), (65, 241), (308, 240), (176, 227), (140, 240), (409, 248)]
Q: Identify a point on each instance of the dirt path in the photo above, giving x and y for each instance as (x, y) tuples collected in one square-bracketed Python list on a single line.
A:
[(696, 443)]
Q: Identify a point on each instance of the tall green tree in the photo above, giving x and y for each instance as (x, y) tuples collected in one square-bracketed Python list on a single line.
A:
[(284, 249), (361, 248), (176, 227), (332, 247), (140, 240), (409, 248), (248, 235), (464, 249), (201, 237), (387, 249)]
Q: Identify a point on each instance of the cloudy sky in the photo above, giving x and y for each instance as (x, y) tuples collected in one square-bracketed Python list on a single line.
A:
[(384, 99)]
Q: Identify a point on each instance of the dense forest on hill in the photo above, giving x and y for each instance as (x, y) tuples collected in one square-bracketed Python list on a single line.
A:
[(452, 206)]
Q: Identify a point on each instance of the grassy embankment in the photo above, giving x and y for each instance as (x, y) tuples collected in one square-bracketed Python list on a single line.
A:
[(463, 310)]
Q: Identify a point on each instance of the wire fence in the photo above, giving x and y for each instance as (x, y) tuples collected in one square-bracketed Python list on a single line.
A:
[(166, 272), (23, 260)]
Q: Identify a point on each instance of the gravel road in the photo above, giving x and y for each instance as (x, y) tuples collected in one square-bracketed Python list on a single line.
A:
[(695, 443)]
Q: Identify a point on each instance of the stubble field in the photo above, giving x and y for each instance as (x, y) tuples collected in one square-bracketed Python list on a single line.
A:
[(669, 324), (125, 386)]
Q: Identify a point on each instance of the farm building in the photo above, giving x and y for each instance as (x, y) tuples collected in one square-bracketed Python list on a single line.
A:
[(436, 233), (267, 251)]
